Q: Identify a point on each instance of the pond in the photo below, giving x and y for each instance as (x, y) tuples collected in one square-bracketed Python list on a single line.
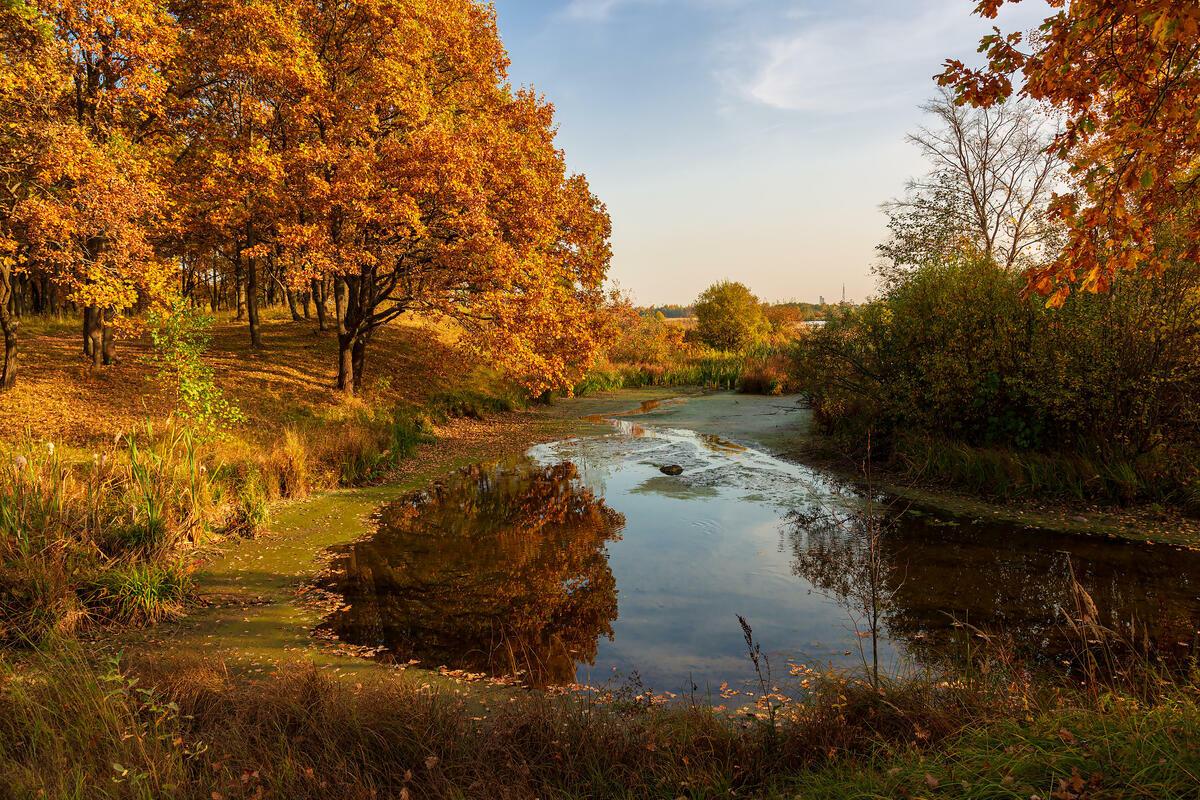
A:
[(582, 562)]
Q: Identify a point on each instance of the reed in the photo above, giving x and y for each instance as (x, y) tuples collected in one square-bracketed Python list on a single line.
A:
[(1006, 473)]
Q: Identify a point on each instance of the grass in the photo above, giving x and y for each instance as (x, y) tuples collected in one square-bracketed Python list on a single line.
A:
[(1069, 754), (760, 371), (141, 593), (714, 372), (1006, 474), (188, 728), (91, 539), (288, 382)]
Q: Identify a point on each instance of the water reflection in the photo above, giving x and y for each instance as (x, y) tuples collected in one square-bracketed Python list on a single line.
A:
[(515, 566), (499, 568), (939, 581)]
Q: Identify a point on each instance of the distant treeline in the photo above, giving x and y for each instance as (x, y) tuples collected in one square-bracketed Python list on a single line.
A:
[(801, 311)]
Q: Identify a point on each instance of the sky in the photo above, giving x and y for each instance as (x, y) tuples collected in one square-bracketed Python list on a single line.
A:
[(750, 140)]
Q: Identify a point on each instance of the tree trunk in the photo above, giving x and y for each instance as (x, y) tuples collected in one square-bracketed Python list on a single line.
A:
[(358, 358), (346, 378), (93, 332), (8, 324), (339, 302), (305, 299), (50, 292), (291, 301), (347, 336), (108, 342), (318, 293), (252, 303), (238, 294), (89, 322)]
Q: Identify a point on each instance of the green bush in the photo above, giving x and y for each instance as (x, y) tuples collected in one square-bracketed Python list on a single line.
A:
[(472, 404), (180, 337), (252, 509), (953, 351), (140, 593), (730, 317)]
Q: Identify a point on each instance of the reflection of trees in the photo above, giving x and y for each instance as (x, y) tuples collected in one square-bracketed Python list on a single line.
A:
[(840, 554), (1001, 580), (496, 569)]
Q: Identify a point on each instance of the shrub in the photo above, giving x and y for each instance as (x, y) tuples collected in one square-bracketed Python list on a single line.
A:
[(953, 351), (766, 374), (378, 441), (730, 317), (180, 337), (289, 464), (471, 404), (140, 593), (252, 508)]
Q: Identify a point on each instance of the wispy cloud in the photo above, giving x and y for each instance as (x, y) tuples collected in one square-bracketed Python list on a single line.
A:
[(865, 56), (592, 9), (603, 9)]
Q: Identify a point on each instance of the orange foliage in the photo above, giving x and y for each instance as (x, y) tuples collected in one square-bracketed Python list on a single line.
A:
[(377, 143), (1125, 74), (82, 99), (424, 182)]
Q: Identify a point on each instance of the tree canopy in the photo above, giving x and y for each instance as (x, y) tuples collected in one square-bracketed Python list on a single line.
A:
[(729, 316), (374, 150)]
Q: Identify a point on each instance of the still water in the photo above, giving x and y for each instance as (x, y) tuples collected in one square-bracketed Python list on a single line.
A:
[(581, 561)]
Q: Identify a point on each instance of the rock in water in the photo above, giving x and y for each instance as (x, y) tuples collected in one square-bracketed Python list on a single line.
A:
[(672, 469)]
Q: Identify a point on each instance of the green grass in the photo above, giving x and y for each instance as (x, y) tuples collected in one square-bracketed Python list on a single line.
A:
[(251, 508), (721, 371), (759, 370), (473, 403), (141, 593), (1068, 755)]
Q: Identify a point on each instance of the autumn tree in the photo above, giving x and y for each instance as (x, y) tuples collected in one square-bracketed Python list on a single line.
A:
[(241, 71), (81, 89), (729, 316), (1125, 76), (641, 336), (426, 183), (91, 195), (29, 82)]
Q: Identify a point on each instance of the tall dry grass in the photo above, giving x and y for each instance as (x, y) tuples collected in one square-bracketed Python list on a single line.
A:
[(104, 535), (99, 537), (186, 727)]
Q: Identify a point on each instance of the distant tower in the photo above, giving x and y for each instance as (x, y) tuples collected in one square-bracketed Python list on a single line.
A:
[(843, 293)]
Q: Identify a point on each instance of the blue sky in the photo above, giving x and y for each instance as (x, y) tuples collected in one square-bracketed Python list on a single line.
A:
[(743, 139)]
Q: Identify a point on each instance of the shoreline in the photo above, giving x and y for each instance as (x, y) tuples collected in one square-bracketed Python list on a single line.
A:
[(255, 607), (1140, 524), (251, 608)]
